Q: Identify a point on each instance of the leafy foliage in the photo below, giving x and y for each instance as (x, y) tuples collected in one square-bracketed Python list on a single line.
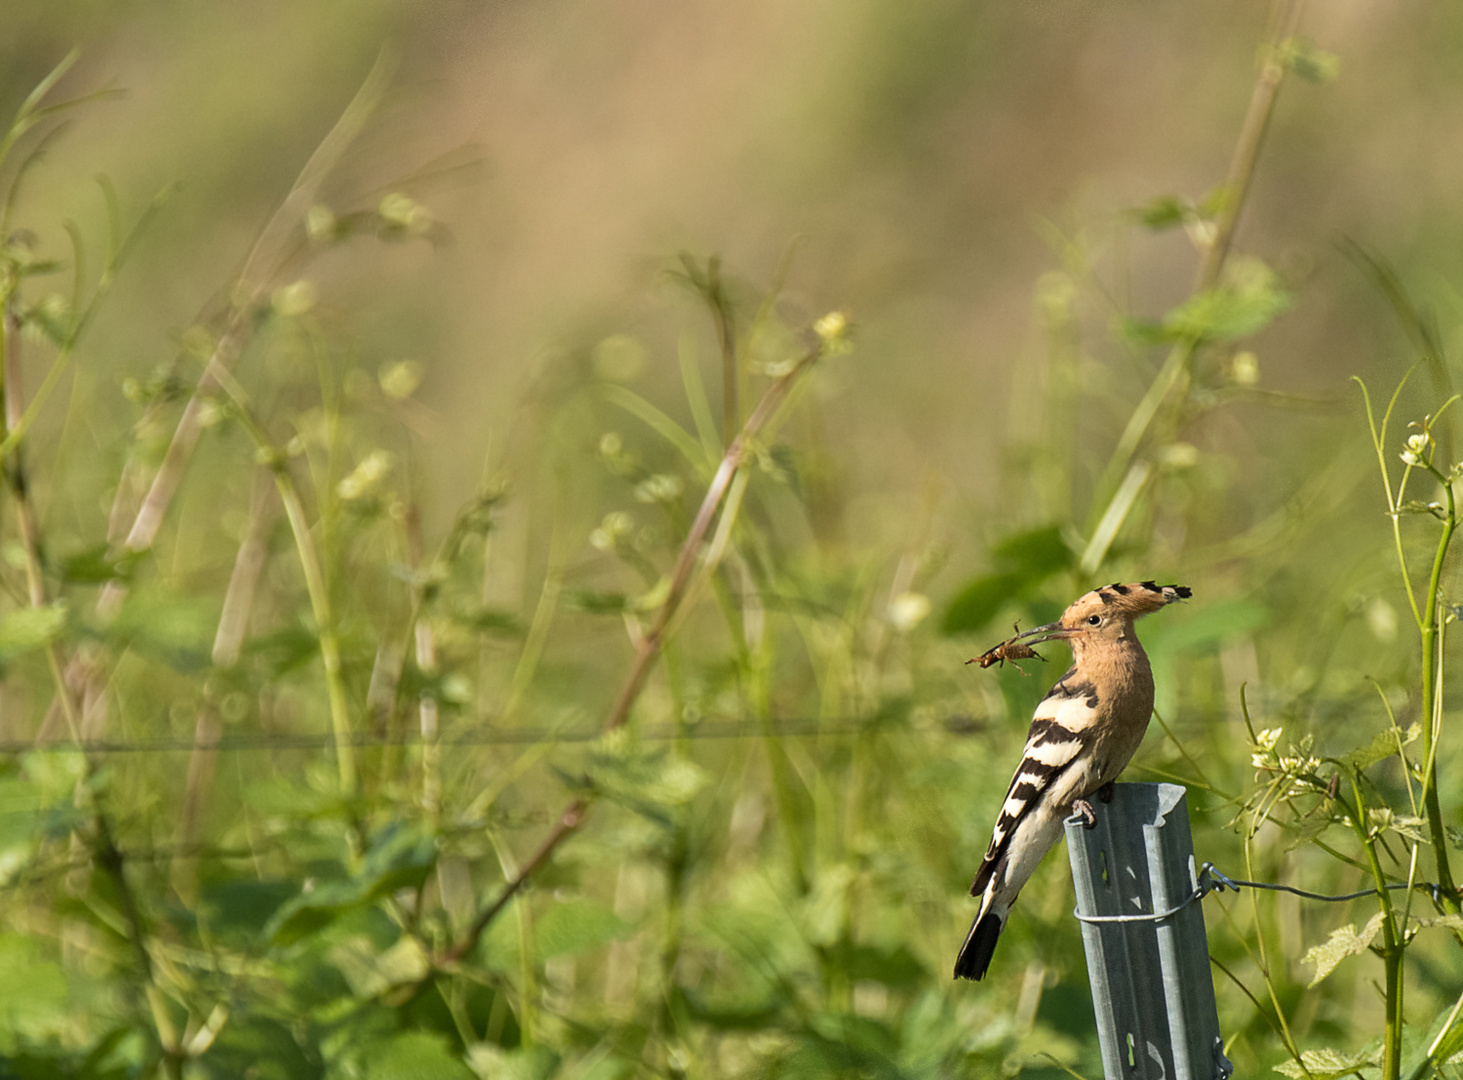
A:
[(1024, 561), (322, 779)]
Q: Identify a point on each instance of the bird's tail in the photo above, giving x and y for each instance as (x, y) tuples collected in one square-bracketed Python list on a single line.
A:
[(980, 943)]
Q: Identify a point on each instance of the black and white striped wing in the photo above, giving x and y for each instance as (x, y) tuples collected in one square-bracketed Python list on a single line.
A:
[(1062, 727)]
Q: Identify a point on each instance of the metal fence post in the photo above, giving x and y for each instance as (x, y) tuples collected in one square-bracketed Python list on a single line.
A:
[(1151, 987)]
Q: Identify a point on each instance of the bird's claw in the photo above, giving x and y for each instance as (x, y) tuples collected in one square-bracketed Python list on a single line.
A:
[(1083, 809)]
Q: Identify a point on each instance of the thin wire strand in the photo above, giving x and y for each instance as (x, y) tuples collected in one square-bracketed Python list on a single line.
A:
[(1213, 880), (325, 740)]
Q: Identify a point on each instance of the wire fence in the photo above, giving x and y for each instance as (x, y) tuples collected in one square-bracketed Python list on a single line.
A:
[(488, 736), (1213, 880)]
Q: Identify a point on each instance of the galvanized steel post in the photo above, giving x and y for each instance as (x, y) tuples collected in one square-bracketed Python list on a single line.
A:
[(1151, 987)]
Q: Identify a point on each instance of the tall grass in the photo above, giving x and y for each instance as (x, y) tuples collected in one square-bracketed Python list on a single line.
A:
[(691, 781)]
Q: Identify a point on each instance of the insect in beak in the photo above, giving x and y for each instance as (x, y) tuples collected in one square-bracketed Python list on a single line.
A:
[(1011, 649)]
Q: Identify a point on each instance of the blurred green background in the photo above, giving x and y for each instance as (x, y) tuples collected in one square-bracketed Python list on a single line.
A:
[(1005, 200)]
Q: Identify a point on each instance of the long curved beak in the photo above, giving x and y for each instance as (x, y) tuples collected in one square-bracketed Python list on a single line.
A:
[(1050, 632)]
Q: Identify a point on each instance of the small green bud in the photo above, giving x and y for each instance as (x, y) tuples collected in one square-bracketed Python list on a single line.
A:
[(403, 212), (456, 690), (295, 299), (830, 326), (616, 525), (660, 488), (832, 330), (618, 358), (211, 413), (269, 457), (198, 342), (400, 380), (1179, 455), (1244, 368), (366, 476), (321, 225)]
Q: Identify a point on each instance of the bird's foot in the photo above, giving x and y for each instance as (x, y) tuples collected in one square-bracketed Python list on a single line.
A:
[(1083, 809), (1107, 791)]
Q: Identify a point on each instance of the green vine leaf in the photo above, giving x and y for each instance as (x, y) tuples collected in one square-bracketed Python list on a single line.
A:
[(1404, 825), (1383, 745), (1301, 57), (1328, 1064), (25, 629), (1417, 506), (401, 857), (648, 781), (1246, 302), (1452, 922), (1346, 941), (1164, 212)]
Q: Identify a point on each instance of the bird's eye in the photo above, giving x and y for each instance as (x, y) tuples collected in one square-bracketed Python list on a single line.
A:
[(1094, 620)]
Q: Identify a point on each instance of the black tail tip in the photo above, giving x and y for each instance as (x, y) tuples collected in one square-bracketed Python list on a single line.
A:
[(980, 943)]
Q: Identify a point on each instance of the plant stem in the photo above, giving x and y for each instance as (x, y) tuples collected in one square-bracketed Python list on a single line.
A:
[(1247, 150), (569, 820), (426, 660), (1282, 1026), (726, 335), (228, 642), (731, 463), (106, 854), (1120, 477), (759, 695), (270, 255), (1431, 705), (1393, 945), (543, 615), (17, 479), (320, 607), (315, 583), (1394, 502), (677, 867)]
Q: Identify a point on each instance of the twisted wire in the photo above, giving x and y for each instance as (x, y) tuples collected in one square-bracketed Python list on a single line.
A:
[(1211, 879)]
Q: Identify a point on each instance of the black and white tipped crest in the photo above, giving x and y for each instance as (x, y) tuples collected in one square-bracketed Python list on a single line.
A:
[(1132, 600)]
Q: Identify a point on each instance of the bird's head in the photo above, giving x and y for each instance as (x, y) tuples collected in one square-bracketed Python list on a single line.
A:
[(1106, 614)]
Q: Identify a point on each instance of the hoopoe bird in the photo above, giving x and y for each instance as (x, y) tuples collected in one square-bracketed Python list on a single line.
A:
[(1084, 732)]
